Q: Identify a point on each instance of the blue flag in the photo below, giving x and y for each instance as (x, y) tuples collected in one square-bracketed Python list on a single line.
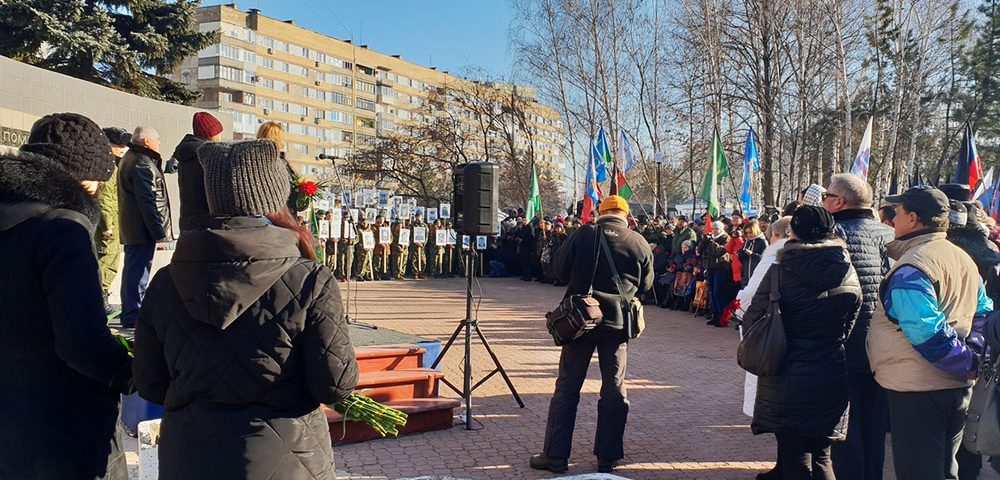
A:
[(626, 150), (597, 158), (751, 164)]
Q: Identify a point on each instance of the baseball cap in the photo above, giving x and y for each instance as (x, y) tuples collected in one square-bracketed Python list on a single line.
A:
[(956, 191), (923, 200)]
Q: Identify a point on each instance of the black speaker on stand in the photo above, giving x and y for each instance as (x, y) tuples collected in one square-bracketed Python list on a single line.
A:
[(474, 209)]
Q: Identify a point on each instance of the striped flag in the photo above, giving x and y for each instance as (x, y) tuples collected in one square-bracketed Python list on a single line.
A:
[(864, 156), (970, 168), (592, 190), (751, 164)]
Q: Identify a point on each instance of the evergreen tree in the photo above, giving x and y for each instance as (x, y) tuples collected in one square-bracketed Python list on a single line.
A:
[(981, 106), (119, 43)]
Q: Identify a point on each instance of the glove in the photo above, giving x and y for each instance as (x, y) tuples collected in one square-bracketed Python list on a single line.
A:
[(171, 166)]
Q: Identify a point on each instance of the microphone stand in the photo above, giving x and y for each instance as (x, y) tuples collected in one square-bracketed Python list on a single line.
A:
[(345, 209)]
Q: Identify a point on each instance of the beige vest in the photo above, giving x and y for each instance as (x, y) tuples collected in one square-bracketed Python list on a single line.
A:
[(897, 365)]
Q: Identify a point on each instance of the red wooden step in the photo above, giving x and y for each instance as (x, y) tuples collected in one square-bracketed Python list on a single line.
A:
[(405, 384), (424, 415), (388, 357)]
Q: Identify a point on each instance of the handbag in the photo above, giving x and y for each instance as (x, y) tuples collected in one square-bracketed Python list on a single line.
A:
[(633, 317), (762, 349), (982, 421), (576, 314)]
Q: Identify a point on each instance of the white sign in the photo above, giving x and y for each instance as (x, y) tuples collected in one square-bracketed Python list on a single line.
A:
[(384, 235), (350, 231), (466, 242), (355, 215), (452, 238), (404, 211), (368, 240), (412, 202), (440, 237), (480, 242), (371, 214), (418, 211), (324, 229), (404, 237), (445, 210), (383, 198), (432, 214), (336, 222), (369, 197), (419, 235)]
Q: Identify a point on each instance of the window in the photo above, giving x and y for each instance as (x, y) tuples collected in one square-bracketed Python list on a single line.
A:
[(296, 129), (339, 63), (248, 98), (366, 87), (335, 116), (265, 41), (337, 97), (265, 62), (366, 104), (249, 57), (298, 109), (209, 51), (335, 79), (296, 50), (297, 70), (366, 70), (279, 46), (368, 140), (206, 71), (230, 51), (366, 122), (225, 97), (230, 73)]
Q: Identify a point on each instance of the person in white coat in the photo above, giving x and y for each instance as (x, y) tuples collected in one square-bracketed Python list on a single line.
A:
[(777, 234)]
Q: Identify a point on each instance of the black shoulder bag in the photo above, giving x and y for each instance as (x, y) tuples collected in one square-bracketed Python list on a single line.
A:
[(577, 314), (763, 347), (632, 314)]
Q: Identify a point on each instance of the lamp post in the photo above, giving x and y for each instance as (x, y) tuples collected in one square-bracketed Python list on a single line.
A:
[(658, 208)]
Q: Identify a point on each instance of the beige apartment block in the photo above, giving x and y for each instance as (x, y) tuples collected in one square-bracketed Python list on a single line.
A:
[(332, 96)]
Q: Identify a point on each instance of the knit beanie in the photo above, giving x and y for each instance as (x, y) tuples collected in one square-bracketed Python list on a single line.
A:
[(812, 224), (244, 178), (75, 142), (204, 125), (118, 136)]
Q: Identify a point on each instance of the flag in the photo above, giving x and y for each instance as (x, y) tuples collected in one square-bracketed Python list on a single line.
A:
[(864, 156), (987, 184), (596, 157), (970, 168), (592, 190), (751, 164), (994, 206), (534, 199), (718, 168), (894, 185), (626, 152)]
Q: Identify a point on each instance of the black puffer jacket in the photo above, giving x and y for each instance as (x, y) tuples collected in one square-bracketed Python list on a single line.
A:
[(983, 252), (866, 239), (55, 347), (144, 209), (633, 260), (809, 396), (241, 340), (191, 181)]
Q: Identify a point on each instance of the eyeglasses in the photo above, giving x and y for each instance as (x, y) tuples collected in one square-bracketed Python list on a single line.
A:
[(827, 195)]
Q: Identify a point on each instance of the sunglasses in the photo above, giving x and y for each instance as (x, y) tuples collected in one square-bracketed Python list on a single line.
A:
[(827, 195)]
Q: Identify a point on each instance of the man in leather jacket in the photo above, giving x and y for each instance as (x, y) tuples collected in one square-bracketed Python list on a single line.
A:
[(144, 216)]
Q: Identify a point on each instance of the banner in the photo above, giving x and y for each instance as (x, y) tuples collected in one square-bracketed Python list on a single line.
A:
[(445, 211), (419, 235), (368, 240), (385, 235), (404, 237)]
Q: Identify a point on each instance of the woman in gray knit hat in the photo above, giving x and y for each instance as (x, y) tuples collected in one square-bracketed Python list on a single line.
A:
[(242, 337)]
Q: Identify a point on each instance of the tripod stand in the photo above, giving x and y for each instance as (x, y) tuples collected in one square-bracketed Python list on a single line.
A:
[(469, 324)]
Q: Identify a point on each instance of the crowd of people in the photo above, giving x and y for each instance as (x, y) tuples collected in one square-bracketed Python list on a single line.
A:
[(885, 310)]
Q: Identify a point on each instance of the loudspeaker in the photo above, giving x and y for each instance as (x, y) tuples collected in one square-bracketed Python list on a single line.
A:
[(476, 198)]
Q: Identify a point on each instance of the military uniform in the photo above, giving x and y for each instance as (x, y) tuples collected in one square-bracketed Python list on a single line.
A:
[(381, 258), (418, 256), (437, 267), (345, 251), (362, 256), (399, 253), (106, 238)]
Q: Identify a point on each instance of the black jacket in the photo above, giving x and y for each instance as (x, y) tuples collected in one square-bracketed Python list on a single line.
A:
[(983, 252), (241, 340), (866, 239), (191, 180), (144, 209), (713, 252), (809, 396), (633, 260), (55, 347), (750, 255)]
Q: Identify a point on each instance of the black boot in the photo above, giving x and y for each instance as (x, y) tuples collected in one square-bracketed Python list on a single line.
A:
[(554, 465)]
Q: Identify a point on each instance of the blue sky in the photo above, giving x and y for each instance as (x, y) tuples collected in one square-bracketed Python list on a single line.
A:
[(451, 35)]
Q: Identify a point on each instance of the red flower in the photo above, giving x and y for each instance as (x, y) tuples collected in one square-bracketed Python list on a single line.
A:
[(308, 188)]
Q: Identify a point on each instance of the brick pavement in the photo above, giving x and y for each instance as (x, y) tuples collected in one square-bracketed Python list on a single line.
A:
[(684, 386)]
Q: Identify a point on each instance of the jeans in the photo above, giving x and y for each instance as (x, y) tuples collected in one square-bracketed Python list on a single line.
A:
[(135, 276), (926, 432), (612, 408), (804, 458), (862, 455)]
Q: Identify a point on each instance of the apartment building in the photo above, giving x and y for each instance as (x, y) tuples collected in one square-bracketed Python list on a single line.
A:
[(333, 97)]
